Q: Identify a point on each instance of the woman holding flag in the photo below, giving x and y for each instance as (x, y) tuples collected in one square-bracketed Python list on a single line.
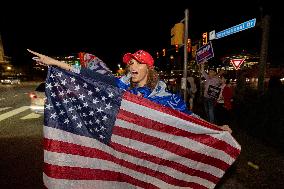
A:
[(104, 132), (141, 78)]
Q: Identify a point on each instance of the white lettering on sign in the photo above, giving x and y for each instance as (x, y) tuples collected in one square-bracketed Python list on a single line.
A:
[(237, 28)]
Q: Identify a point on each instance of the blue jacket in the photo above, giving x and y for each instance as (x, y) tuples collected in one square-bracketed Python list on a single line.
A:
[(159, 95)]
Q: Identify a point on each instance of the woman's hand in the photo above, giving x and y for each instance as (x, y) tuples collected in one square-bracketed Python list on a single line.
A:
[(48, 61), (45, 60), (226, 128)]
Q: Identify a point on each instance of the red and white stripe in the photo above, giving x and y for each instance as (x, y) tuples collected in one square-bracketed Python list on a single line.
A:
[(151, 147)]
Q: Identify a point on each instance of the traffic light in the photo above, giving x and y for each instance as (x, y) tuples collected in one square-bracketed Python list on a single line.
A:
[(164, 52), (204, 38), (193, 51), (188, 45), (177, 34)]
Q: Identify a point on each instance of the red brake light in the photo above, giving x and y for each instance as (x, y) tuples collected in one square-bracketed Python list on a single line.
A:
[(32, 95)]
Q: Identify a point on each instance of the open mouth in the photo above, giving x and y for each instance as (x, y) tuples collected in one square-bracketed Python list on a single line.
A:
[(134, 72)]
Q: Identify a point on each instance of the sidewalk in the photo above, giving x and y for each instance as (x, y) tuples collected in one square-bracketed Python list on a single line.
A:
[(268, 172)]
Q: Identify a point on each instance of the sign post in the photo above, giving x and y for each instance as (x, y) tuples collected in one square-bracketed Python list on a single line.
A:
[(183, 82), (179, 36)]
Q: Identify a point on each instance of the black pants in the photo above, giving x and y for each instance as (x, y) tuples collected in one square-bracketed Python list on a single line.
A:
[(222, 115)]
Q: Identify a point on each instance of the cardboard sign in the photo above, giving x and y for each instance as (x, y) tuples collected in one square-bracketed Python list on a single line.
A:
[(204, 53), (213, 92)]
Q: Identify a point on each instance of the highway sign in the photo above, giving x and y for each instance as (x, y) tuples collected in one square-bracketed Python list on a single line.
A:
[(237, 28)]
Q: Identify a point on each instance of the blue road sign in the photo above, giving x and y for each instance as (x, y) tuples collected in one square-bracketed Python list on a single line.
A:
[(237, 28)]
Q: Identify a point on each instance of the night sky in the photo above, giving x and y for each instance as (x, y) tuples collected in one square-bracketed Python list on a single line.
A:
[(111, 29)]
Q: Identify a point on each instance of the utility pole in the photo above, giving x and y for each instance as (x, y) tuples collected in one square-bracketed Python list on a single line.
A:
[(179, 35), (263, 52), (184, 83)]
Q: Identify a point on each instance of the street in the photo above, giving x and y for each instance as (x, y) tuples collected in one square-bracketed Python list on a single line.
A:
[(21, 155)]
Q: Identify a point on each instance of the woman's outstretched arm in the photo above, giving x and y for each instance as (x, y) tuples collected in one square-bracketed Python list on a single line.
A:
[(43, 59)]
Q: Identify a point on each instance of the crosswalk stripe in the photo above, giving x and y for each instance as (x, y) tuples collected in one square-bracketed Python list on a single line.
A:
[(31, 116), (13, 112), (5, 108)]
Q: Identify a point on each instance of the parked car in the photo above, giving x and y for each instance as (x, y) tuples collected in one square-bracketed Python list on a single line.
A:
[(10, 80), (38, 98)]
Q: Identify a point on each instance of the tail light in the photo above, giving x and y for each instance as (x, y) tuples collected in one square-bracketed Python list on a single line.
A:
[(33, 95)]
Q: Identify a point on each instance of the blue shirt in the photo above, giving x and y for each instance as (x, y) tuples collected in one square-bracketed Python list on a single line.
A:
[(159, 95)]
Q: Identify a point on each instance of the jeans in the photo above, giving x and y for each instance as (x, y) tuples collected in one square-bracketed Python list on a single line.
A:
[(209, 109)]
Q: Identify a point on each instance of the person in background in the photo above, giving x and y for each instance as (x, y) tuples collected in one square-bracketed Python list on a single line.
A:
[(211, 91), (191, 87), (224, 102)]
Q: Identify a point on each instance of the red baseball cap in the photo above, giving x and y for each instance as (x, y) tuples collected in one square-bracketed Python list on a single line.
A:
[(141, 56)]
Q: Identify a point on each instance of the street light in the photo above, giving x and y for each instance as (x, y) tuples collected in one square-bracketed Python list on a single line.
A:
[(9, 68)]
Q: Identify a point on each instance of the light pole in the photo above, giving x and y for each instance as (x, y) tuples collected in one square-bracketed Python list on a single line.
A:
[(184, 83), (179, 35), (263, 52)]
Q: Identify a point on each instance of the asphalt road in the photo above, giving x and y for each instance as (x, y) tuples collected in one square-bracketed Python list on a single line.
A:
[(21, 153)]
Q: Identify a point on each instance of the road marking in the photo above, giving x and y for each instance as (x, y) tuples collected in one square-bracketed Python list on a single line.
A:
[(13, 112), (31, 116), (2, 98), (5, 108)]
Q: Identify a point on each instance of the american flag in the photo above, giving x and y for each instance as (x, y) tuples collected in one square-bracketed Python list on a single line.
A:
[(98, 136)]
